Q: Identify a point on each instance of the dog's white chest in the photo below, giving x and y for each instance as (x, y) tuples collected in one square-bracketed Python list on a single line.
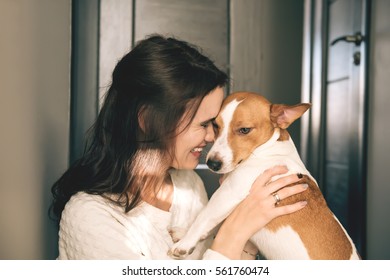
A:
[(284, 243)]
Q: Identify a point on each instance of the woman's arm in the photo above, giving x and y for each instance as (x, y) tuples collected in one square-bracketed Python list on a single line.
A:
[(256, 211)]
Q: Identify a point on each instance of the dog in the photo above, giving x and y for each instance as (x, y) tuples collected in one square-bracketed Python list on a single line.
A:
[(251, 137)]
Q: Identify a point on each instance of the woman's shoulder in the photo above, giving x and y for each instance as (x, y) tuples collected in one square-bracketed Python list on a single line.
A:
[(83, 200), (84, 206)]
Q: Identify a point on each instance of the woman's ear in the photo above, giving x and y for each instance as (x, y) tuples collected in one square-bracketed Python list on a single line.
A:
[(141, 119)]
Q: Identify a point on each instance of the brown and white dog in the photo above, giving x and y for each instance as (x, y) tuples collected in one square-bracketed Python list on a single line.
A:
[(252, 137)]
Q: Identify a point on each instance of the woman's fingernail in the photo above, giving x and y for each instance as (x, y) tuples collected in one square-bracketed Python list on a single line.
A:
[(300, 176), (305, 186), (303, 203)]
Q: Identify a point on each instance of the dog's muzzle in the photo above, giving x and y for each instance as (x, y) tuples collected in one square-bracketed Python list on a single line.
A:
[(214, 165)]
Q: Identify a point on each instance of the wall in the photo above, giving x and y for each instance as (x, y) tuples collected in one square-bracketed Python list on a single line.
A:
[(266, 51), (378, 190), (34, 121)]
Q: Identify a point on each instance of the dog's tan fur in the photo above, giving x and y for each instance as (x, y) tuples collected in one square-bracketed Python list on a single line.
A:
[(325, 242)]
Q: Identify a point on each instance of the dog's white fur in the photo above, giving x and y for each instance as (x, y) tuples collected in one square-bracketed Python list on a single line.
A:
[(236, 187), (188, 185)]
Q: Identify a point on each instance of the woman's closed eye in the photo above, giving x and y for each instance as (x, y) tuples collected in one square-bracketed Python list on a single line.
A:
[(205, 124)]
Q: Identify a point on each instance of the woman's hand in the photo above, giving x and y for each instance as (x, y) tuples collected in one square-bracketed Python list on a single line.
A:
[(257, 210)]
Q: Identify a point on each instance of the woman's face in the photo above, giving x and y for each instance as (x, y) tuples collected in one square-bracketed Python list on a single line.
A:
[(191, 141)]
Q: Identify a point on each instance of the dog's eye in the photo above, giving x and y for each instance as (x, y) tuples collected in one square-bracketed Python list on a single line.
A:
[(244, 130)]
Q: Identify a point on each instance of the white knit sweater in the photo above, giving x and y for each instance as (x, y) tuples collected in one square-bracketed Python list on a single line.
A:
[(93, 228)]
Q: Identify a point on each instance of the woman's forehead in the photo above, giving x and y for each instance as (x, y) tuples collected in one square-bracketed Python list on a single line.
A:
[(210, 105)]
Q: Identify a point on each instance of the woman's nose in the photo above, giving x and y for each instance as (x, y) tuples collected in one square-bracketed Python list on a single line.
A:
[(210, 136)]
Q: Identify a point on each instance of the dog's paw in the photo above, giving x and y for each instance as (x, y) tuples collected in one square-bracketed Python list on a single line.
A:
[(176, 233), (182, 248), (179, 253)]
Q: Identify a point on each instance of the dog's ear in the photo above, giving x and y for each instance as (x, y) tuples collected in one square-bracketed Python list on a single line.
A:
[(284, 115)]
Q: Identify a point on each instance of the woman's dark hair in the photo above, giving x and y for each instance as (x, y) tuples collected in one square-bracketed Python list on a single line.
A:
[(128, 149)]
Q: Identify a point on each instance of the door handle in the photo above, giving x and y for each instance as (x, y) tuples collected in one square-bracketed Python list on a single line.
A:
[(358, 38)]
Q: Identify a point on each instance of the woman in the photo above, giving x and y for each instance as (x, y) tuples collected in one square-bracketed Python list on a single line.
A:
[(119, 199)]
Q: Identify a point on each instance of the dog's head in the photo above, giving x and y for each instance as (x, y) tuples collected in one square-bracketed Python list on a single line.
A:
[(245, 122)]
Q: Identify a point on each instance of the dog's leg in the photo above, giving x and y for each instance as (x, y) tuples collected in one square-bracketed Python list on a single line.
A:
[(185, 208), (177, 233), (224, 200)]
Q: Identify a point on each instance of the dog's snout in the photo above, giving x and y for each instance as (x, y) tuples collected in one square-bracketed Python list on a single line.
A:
[(214, 165)]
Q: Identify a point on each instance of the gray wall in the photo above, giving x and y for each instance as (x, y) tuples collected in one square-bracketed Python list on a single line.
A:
[(378, 187), (266, 51), (34, 121)]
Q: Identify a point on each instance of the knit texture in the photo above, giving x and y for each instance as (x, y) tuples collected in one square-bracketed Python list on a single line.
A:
[(92, 227)]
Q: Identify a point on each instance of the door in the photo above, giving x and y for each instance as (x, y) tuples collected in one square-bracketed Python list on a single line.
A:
[(336, 148)]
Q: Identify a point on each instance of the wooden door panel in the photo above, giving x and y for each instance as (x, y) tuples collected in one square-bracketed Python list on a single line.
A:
[(337, 111), (344, 175), (337, 122), (336, 143), (337, 149), (337, 190), (340, 23)]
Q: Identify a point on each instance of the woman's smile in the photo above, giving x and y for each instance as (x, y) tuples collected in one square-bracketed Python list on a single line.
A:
[(197, 152)]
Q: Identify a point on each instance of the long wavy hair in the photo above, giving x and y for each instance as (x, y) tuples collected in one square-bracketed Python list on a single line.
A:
[(129, 149)]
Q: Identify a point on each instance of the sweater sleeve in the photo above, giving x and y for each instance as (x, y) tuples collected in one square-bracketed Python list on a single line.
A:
[(90, 230)]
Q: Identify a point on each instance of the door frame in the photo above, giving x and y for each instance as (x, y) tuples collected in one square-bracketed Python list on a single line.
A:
[(314, 69)]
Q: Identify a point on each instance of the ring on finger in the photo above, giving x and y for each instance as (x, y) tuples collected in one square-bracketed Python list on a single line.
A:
[(277, 198)]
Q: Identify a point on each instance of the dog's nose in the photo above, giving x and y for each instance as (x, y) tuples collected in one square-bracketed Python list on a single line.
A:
[(214, 165)]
